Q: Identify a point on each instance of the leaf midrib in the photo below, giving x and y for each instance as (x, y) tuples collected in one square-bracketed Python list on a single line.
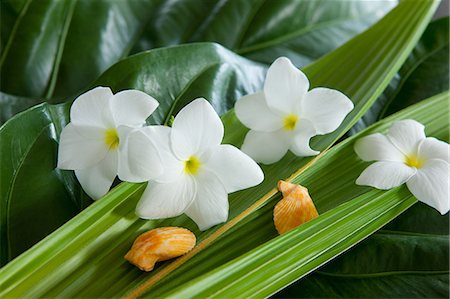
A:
[(11, 185), (295, 34), (14, 30), (60, 50)]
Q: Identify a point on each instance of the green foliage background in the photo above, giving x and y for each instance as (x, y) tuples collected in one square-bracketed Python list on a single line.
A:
[(50, 53)]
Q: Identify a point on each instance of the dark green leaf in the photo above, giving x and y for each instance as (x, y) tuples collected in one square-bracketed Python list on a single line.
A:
[(11, 105), (264, 30), (390, 285), (58, 47), (30, 186), (424, 74), (9, 12)]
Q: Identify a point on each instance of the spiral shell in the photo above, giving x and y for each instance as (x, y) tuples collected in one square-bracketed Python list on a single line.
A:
[(160, 244), (294, 209)]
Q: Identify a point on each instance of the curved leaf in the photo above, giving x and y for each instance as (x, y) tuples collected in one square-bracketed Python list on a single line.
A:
[(389, 285), (9, 12), (30, 185), (58, 47), (264, 30), (179, 74), (11, 105)]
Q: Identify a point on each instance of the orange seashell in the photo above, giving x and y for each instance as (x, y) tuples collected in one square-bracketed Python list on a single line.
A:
[(160, 244), (294, 209)]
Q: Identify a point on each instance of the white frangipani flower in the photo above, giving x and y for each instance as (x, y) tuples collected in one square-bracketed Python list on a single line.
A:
[(406, 155), (98, 129), (286, 115), (199, 171)]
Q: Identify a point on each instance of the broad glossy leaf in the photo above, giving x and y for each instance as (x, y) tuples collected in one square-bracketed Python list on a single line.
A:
[(9, 12), (421, 219), (101, 234), (28, 142), (389, 285), (30, 187), (59, 47), (385, 265), (174, 76), (11, 105), (264, 30), (424, 74), (348, 213)]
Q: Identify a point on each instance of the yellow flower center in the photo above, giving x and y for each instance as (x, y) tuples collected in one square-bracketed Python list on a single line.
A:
[(192, 165), (111, 138), (413, 161), (290, 122)]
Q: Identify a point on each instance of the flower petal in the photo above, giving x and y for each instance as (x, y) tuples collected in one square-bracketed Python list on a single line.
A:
[(97, 180), (265, 147), (431, 185), (385, 175), (139, 159), (81, 147), (377, 147), (196, 128), (172, 166), (234, 169), (165, 200), (300, 139), (132, 107), (253, 112), (285, 86), (210, 206), (432, 148), (325, 108), (406, 135), (92, 108)]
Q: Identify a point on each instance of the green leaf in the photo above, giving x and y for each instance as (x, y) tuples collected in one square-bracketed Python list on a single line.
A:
[(386, 265), (424, 74), (58, 47), (264, 30), (197, 72), (421, 219), (31, 138), (389, 285), (90, 247), (9, 11), (348, 214), (30, 184), (11, 105)]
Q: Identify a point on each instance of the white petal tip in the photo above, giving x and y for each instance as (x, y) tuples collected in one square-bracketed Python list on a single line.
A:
[(204, 227)]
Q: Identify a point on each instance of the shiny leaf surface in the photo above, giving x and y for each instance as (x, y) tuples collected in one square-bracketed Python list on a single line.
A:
[(101, 234)]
